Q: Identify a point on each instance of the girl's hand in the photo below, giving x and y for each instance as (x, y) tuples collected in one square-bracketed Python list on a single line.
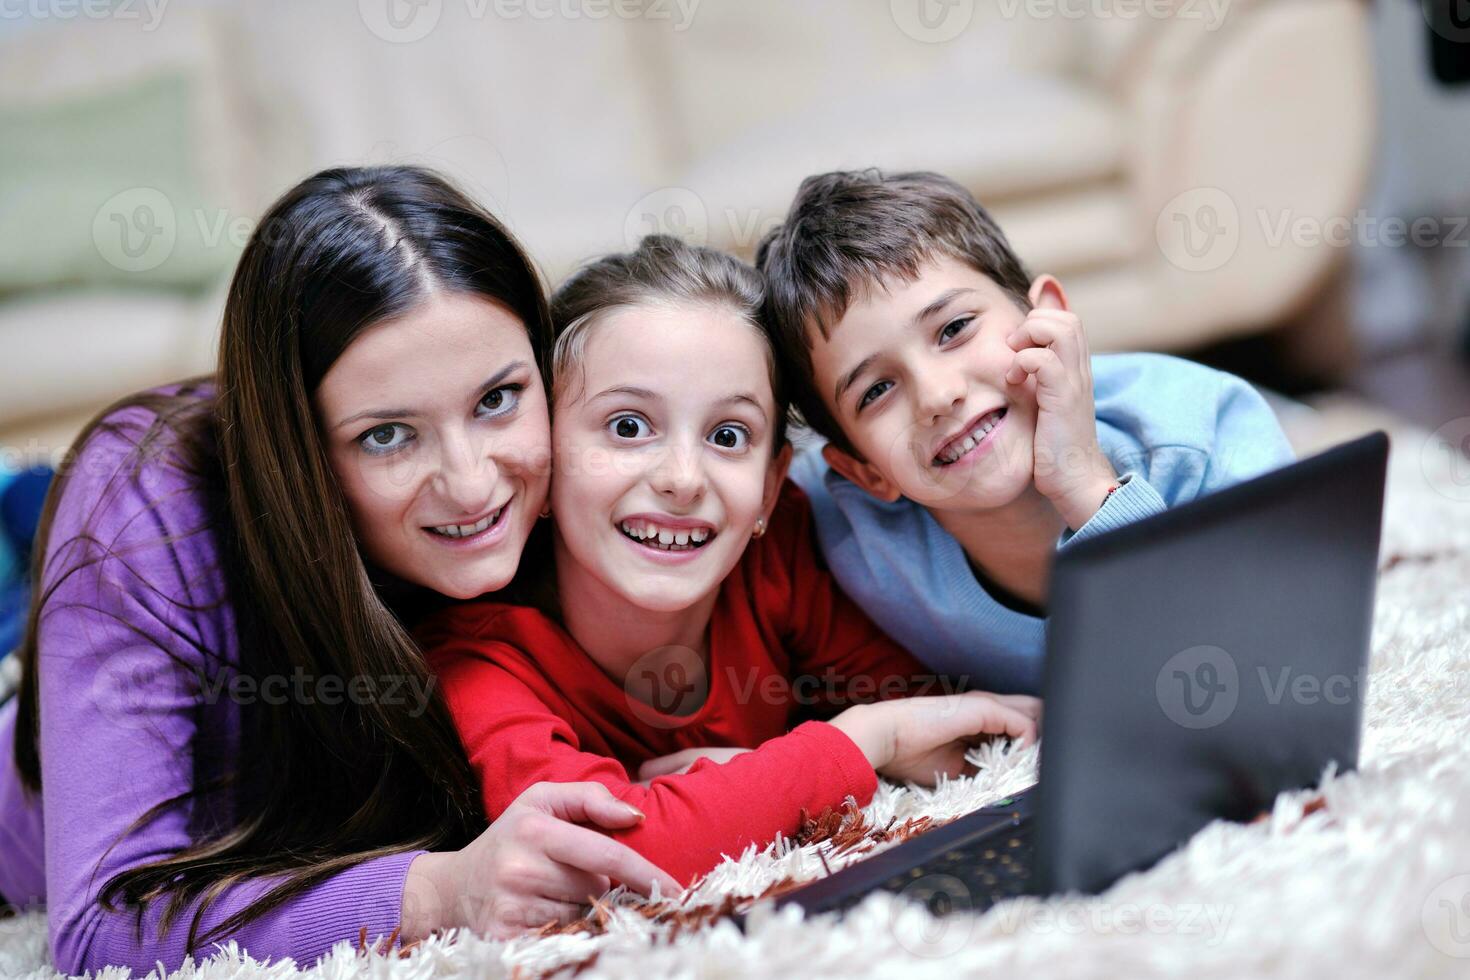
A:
[(1070, 469), (534, 865), (679, 762), (916, 739)]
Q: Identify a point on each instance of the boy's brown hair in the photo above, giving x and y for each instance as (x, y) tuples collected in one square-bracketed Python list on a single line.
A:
[(849, 230)]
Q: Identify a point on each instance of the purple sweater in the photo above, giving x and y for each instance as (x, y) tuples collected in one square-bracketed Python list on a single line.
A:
[(123, 727)]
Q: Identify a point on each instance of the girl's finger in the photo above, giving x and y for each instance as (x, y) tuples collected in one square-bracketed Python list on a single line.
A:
[(982, 713), (679, 762), (666, 765)]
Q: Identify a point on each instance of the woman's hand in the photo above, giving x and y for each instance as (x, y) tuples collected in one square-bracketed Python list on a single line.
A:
[(916, 739), (534, 865), (679, 762)]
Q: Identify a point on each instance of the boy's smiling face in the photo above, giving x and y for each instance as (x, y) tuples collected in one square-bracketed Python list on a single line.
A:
[(915, 374)]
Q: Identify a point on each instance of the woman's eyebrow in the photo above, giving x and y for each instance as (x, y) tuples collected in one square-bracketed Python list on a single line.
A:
[(493, 381)]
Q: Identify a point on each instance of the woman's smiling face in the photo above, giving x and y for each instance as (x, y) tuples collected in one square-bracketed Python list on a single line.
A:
[(664, 451), (436, 428)]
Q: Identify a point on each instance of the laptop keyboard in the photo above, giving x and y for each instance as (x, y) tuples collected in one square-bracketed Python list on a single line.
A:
[(972, 877), (966, 865)]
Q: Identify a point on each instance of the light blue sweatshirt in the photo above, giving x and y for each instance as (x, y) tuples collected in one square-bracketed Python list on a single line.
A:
[(1174, 430)]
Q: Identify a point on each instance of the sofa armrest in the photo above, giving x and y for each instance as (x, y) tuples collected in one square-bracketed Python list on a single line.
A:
[(1247, 121)]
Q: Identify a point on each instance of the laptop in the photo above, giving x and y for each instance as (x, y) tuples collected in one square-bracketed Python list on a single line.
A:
[(1198, 663)]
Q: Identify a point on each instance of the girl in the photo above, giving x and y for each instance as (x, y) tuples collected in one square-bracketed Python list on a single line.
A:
[(669, 630), (224, 730)]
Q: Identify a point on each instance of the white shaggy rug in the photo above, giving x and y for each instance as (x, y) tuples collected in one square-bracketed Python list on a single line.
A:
[(1374, 883)]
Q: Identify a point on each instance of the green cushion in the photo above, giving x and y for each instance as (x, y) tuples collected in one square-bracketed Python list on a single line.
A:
[(105, 189)]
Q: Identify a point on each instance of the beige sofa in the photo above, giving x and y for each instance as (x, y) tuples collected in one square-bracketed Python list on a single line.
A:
[(1148, 160)]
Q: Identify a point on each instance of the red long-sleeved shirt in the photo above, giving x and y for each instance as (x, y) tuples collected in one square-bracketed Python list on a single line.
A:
[(784, 643)]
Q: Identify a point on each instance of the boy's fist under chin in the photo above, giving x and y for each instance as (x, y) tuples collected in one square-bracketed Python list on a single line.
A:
[(916, 739), (1069, 469)]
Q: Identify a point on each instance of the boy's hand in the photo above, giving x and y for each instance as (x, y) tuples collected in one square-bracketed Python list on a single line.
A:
[(1070, 469)]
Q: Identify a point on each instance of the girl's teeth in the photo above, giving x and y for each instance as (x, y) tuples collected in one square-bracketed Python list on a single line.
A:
[(664, 539)]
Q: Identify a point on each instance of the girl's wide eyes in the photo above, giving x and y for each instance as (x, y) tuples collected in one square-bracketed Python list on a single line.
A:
[(732, 437), (729, 436), (629, 427), (385, 438)]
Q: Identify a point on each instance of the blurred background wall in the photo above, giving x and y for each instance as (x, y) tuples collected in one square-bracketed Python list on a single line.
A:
[(1277, 186)]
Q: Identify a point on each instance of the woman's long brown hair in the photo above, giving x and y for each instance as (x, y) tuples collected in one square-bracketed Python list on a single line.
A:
[(317, 788)]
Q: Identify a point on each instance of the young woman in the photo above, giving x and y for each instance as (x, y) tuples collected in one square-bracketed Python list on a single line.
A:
[(224, 729), (670, 629)]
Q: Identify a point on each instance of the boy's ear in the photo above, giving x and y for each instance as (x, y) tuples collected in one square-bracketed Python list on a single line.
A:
[(775, 478), (865, 475), (1046, 293)]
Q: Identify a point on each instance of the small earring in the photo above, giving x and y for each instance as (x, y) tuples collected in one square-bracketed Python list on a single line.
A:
[(760, 527), (546, 511)]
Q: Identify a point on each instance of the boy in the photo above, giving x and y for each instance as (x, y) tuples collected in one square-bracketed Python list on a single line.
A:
[(968, 431)]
